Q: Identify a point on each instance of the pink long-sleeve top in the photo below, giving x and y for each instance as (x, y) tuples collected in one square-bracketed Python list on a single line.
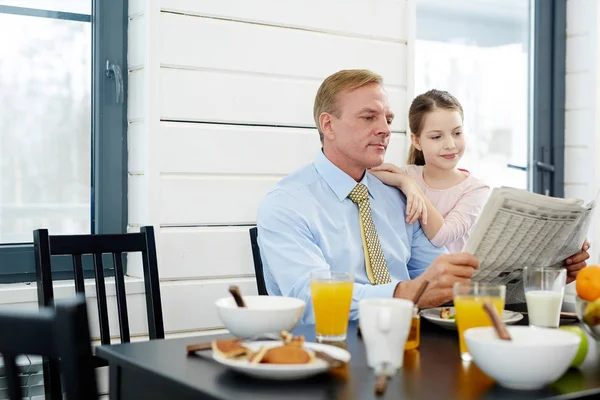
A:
[(460, 206)]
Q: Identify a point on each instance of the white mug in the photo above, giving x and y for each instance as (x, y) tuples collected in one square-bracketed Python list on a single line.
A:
[(385, 324)]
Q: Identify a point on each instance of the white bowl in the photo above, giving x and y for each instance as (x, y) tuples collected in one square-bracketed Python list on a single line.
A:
[(533, 358), (262, 314)]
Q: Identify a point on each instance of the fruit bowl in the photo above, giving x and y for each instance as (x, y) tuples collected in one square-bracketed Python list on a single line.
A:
[(588, 313)]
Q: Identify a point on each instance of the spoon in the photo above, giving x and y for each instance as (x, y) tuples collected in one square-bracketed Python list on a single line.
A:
[(499, 325), (237, 296)]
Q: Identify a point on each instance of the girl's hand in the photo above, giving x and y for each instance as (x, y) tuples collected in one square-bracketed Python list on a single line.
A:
[(415, 202), (389, 167)]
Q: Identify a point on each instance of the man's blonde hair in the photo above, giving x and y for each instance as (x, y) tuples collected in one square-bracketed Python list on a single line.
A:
[(333, 85)]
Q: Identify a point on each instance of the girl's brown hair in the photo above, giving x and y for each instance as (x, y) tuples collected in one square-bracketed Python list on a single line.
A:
[(420, 107)]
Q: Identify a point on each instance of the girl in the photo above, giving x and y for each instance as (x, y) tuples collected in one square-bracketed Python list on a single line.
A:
[(446, 199)]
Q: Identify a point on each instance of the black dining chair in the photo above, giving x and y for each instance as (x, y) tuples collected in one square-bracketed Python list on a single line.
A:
[(258, 267), (60, 333), (76, 246)]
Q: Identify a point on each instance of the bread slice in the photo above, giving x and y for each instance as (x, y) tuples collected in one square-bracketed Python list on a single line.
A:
[(289, 339), (230, 348), (257, 357), (288, 355)]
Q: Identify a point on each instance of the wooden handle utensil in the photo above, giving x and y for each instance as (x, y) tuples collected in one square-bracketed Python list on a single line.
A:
[(499, 325), (237, 296)]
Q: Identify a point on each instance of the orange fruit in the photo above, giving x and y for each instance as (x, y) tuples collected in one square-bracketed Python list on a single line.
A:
[(588, 283)]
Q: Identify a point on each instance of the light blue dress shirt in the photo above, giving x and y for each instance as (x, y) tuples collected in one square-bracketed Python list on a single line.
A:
[(308, 223)]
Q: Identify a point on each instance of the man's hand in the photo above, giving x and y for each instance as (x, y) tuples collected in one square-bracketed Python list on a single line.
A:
[(442, 274), (576, 263)]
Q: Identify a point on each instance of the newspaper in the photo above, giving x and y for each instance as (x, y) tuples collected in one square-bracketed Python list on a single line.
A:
[(517, 228)]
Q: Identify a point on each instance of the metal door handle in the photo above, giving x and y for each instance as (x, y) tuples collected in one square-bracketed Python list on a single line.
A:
[(113, 70)]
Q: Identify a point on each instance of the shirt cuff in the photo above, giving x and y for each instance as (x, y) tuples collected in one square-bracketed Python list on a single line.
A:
[(378, 291)]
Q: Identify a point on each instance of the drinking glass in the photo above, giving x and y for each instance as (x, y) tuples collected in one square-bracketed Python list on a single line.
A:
[(331, 294), (544, 292), (468, 303)]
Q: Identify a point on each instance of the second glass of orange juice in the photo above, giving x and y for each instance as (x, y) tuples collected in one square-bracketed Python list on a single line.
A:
[(468, 303), (331, 294)]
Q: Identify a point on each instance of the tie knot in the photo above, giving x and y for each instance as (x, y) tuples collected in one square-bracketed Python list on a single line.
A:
[(359, 193)]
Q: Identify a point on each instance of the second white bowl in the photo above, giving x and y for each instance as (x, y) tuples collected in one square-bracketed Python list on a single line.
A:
[(533, 358)]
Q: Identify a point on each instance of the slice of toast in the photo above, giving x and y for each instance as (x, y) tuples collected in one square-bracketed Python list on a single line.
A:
[(288, 354), (257, 357), (230, 348)]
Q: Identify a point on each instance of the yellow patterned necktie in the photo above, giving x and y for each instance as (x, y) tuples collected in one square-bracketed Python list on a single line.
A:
[(377, 269)]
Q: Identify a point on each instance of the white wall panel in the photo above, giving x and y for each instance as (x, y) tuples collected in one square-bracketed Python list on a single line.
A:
[(137, 7), (187, 305), (237, 46), (137, 154), (193, 200), (205, 252), (211, 96), (136, 46), (190, 305), (576, 84), (374, 18), (233, 149), (136, 95), (137, 200)]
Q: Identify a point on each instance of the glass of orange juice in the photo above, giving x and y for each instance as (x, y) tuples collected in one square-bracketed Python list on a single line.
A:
[(468, 303), (331, 298)]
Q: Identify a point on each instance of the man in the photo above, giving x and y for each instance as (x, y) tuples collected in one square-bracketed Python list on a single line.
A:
[(310, 220)]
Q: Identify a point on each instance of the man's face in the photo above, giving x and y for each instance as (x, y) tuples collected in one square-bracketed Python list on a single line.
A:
[(358, 137)]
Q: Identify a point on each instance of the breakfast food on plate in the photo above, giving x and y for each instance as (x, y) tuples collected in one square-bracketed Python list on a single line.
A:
[(287, 354), (445, 313), (231, 348), (290, 352), (258, 356)]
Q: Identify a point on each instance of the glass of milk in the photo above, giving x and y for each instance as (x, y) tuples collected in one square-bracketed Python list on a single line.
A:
[(544, 292)]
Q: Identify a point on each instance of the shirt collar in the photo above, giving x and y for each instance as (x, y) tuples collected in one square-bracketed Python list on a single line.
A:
[(340, 182)]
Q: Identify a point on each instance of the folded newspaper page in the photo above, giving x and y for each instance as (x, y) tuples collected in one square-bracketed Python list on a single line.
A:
[(517, 228)]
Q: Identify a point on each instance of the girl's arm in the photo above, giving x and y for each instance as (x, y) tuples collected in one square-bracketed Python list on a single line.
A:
[(392, 175), (439, 230), (459, 221)]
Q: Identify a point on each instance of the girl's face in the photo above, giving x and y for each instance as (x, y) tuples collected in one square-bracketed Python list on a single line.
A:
[(441, 140)]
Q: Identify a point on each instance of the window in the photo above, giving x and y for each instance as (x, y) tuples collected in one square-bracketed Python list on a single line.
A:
[(62, 124), (480, 52), (505, 61)]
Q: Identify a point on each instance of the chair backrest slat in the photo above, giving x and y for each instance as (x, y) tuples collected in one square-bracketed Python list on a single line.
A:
[(101, 299), (121, 243), (43, 269), (62, 334), (78, 274), (121, 297), (152, 286), (258, 266)]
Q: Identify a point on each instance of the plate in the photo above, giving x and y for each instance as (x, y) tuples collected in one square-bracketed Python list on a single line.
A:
[(281, 371), (433, 315)]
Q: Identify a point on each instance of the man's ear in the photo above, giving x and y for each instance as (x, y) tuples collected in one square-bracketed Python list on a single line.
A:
[(325, 121), (415, 142)]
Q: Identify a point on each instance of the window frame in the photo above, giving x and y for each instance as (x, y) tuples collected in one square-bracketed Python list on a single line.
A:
[(108, 186), (547, 163)]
